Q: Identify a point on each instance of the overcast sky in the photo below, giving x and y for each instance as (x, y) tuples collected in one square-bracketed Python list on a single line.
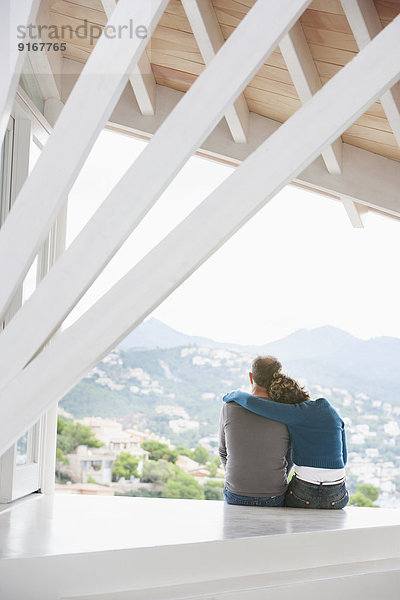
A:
[(297, 264)]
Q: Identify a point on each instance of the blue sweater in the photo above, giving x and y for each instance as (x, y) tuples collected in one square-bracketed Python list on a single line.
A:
[(316, 430)]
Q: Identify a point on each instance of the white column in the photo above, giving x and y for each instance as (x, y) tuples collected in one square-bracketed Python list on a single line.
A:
[(55, 246)]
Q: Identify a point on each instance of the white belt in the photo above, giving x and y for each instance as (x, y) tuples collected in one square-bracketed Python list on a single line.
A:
[(337, 482)]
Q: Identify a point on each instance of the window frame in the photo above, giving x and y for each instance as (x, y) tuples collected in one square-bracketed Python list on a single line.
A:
[(27, 126)]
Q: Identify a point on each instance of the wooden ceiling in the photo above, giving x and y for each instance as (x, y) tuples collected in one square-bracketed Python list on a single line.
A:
[(176, 60)]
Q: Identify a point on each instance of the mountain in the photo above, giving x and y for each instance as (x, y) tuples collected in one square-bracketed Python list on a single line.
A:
[(308, 343), (325, 355), (311, 343), (154, 334)]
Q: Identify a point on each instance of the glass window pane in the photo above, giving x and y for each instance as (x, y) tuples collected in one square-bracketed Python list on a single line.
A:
[(5, 171), (22, 449), (28, 446)]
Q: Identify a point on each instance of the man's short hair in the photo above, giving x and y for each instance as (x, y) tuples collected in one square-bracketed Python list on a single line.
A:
[(263, 368)]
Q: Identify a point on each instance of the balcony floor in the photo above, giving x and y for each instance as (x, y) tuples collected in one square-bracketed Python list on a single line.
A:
[(115, 544)]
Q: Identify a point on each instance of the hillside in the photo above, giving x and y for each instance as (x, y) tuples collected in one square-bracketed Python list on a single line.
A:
[(135, 384)]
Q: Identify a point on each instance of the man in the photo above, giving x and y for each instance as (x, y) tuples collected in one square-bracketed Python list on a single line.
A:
[(254, 450)]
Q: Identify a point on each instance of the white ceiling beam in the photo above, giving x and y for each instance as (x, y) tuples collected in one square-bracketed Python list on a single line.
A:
[(365, 25), (294, 145), (44, 74), (207, 32), (13, 15), (142, 78), (46, 64), (87, 110), (179, 136), (356, 212), (305, 77), (369, 179)]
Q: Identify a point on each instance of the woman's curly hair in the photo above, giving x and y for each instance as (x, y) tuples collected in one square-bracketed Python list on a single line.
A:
[(281, 388), (286, 390)]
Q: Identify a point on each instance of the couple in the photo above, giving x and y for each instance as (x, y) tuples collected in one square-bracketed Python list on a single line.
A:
[(263, 434)]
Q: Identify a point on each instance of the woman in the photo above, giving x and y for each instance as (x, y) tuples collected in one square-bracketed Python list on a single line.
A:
[(316, 430)]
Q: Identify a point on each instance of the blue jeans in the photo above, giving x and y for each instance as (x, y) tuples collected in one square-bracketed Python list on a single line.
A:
[(301, 494), (231, 498)]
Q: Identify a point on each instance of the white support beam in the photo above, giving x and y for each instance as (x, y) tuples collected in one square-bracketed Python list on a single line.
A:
[(14, 16), (87, 110), (367, 178), (193, 119), (305, 77), (142, 78), (207, 32), (44, 74), (356, 212), (47, 67), (294, 145), (365, 25), (46, 64)]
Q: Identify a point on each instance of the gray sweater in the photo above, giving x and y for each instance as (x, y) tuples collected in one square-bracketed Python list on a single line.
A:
[(254, 451)]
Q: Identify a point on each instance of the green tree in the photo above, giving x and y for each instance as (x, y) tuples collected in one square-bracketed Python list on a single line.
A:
[(201, 455), (159, 471), (365, 495), (182, 451), (72, 435), (125, 466), (61, 459), (369, 491), (358, 499), (213, 490), (182, 485), (213, 466), (160, 451)]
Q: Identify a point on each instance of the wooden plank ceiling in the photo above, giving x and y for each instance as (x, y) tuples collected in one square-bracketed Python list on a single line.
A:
[(177, 62)]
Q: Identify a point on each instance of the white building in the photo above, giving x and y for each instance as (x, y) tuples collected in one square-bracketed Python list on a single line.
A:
[(93, 464), (329, 71)]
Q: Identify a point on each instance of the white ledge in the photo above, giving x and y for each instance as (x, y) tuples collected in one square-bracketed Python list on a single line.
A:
[(90, 547)]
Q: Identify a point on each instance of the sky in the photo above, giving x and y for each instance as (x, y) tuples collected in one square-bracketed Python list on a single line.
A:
[(297, 264)]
